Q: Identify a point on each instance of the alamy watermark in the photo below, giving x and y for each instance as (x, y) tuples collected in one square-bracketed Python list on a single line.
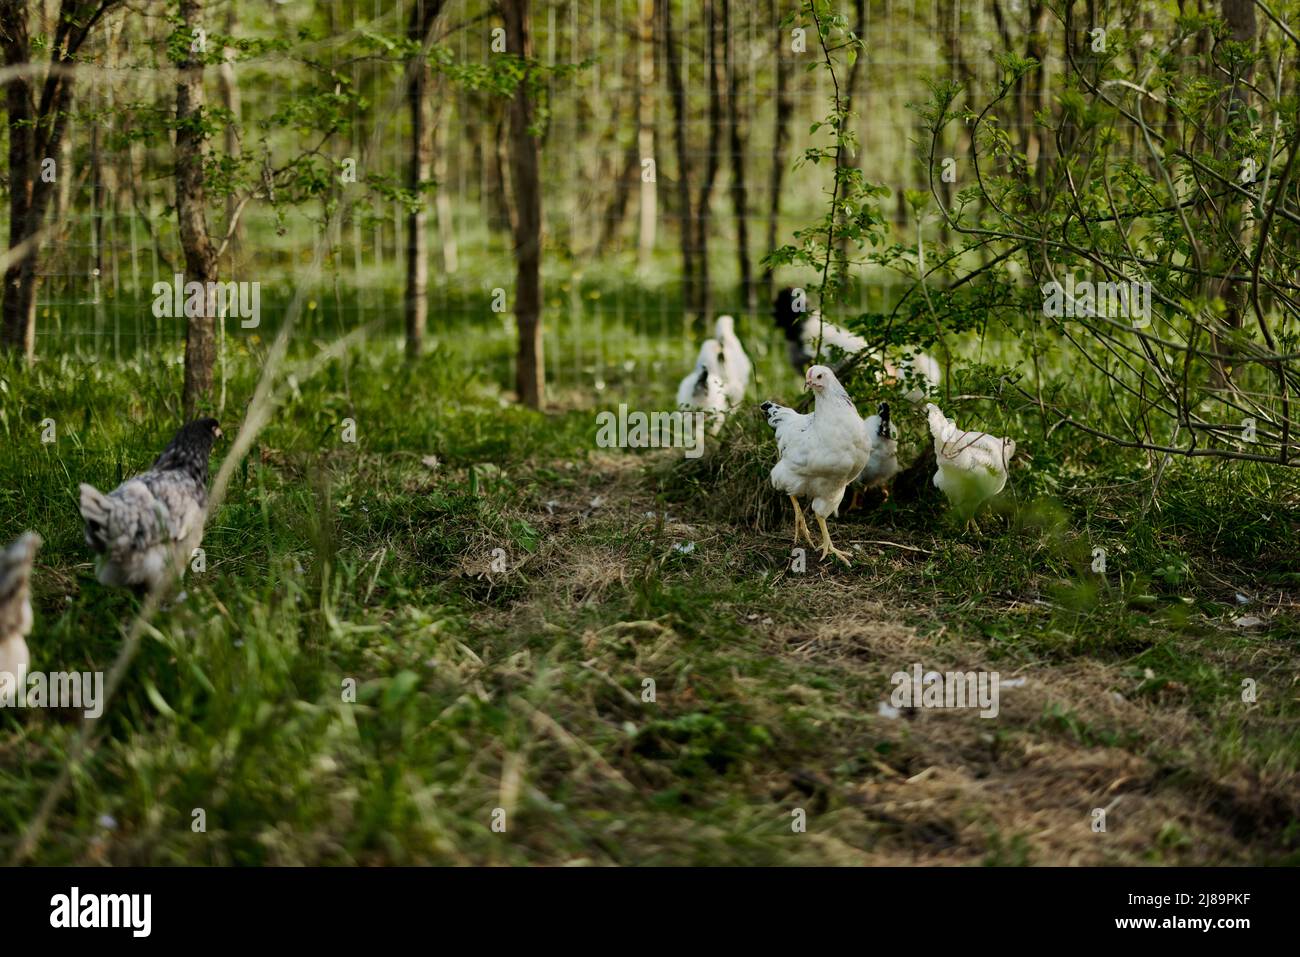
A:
[(79, 690), (680, 429), (213, 300), (949, 689), (1088, 299)]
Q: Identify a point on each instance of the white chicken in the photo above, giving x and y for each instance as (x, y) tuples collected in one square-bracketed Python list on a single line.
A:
[(821, 453), (972, 465), (702, 391), (736, 367), (882, 465), (921, 369), (15, 608)]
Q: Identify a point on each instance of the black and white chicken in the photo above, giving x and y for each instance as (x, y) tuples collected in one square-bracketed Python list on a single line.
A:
[(702, 390), (154, 520), (972, 465), (736, 367), (15, 608), (801, 330), (882, 465), (821, 452)]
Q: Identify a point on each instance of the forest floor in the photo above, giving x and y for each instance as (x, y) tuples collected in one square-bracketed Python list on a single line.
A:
[(501, 592)]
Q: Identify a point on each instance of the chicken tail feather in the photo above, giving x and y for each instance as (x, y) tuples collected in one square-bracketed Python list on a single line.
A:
[(96, 509)]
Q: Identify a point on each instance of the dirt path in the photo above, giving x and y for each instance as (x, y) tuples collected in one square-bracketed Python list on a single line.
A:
[(1076, 768)]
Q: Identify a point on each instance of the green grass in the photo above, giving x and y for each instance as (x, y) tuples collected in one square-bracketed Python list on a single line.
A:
[(332, 563)]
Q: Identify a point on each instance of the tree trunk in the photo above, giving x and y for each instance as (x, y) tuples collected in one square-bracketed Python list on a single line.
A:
[(704, 297), (231, 101), (35, 133), (19, 329), (844, 160), (1243, 28), (780, 145), (616, 211), (530, 368), (739, 192), (441, 196), (419, 171), (646, 135), (677, 95), (191, 217)]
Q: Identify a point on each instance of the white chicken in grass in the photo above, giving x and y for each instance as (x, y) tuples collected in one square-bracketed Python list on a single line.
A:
[(15, 608), (702, 391), (882, 464), (972, 465), (736, 367), (821, 453)]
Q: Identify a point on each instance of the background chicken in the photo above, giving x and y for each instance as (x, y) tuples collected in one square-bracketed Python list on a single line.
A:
[(821, 452), (736, 367), (154, 518), (802, 329), (15, 606), (921, 370), (972, 465), (882, 464)]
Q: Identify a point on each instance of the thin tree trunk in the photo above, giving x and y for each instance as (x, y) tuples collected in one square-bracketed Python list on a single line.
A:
[(419, 171), (739, 192), (191, 217), (442, 196), (616, 211), (843, 160), (677, 95), (646, 135), (780, 145), (232, 102), (530, 368), (503, 200), (1240, 18), (36, 131), (964, 73), (19, 329), (705, 197)]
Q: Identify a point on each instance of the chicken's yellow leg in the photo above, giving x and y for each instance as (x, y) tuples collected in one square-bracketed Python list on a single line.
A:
[(827, 547), (799, 524)]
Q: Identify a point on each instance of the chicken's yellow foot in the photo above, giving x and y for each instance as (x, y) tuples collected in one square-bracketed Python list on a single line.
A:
[(827, 547), (800, 525)]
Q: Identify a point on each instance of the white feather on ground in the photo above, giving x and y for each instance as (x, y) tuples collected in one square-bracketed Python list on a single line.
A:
[(736, 367), (16, 607), (821, 452), (155, 519), (972, 465)]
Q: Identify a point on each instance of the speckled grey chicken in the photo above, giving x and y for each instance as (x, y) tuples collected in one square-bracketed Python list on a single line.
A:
[(155, 519)]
